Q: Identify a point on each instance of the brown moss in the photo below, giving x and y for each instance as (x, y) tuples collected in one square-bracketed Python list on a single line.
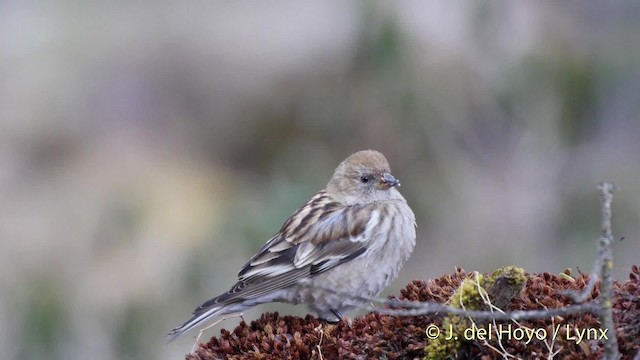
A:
[(626, 313), (383, 336)]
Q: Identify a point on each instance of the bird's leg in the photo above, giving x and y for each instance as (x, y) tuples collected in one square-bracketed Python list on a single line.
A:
[(193, 349), (341, 317)]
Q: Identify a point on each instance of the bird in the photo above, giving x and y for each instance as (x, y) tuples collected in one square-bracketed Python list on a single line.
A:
[(353, 237)]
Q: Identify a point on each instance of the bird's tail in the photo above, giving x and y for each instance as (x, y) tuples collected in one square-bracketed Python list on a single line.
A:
[(200, 316), (222, 305)]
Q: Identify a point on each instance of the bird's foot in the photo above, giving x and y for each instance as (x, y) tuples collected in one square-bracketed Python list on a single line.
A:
[(340, 317)]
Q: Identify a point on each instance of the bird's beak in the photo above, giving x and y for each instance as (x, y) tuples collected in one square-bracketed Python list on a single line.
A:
[(387, 181)]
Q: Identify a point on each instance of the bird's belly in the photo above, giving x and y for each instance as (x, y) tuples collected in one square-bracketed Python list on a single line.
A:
[(359, 277), (366, 275)]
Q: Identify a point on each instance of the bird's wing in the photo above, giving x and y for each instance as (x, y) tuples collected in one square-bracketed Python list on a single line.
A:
[(320, 236)]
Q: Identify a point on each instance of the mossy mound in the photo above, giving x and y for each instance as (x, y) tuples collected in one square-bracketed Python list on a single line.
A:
[(376, 336)]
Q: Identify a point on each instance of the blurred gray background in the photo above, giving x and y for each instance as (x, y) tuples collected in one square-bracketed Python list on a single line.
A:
[(147, 151)]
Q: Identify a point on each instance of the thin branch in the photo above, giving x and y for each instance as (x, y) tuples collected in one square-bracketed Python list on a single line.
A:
[(580, 297), (416, 308), (591, 307), (606, 258)]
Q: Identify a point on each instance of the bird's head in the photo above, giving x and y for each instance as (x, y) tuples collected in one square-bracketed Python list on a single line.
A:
[(364, 177)]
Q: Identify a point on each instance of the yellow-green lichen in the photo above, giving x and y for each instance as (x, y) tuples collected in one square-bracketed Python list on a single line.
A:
[(499, 287), (504, 284), (467, 296)]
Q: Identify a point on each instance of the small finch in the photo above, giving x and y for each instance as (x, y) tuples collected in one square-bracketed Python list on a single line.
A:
[(353, 237)]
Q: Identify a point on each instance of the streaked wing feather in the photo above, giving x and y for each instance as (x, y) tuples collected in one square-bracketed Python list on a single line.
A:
[(310, 242)]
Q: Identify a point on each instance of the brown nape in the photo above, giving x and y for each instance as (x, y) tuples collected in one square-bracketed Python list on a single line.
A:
[(384, 336)]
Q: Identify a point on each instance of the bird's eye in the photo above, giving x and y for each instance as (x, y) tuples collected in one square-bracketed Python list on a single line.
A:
[(365, 178)]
